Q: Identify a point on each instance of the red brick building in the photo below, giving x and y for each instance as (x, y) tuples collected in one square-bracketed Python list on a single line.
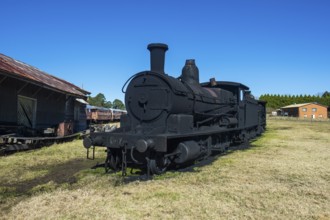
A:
[(306, 110)]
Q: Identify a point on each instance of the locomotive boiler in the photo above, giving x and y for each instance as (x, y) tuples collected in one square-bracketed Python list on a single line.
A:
[(172, 122)]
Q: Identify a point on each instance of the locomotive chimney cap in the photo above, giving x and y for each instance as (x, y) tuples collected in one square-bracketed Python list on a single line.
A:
[(158, 45)]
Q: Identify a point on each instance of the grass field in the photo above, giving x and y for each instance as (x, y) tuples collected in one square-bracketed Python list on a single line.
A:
[(283, 175)]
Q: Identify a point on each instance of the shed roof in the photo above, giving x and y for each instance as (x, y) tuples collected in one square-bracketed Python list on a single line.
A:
[(32, 74), (301, 104)]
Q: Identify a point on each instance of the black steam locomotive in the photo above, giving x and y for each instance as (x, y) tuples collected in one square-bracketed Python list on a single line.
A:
[(176, 121)]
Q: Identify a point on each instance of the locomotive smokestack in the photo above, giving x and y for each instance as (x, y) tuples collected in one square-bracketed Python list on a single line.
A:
[(157, 57)]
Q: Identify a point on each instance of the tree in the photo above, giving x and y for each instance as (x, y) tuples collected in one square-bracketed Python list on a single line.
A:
[(98, 100), (118, 104), (108, 104), (326, 94), (277, 101)]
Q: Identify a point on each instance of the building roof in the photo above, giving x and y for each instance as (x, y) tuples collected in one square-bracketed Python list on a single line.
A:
[(23, 71), (302, 104)]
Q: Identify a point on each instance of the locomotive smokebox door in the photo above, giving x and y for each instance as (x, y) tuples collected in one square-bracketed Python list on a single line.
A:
[(143, 98)]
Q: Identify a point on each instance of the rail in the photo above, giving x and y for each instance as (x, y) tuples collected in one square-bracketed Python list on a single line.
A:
[(10, 143)]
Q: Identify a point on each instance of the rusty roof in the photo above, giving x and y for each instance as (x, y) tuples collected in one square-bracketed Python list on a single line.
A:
[(24, 71)]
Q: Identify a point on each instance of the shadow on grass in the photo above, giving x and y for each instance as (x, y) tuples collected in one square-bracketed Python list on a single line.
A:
[(57, 174), (214, 157), (282, 128), (141, 175), (65, 173)]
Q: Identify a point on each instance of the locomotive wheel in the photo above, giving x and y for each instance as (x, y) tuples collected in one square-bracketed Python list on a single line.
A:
[(112, 162), (107, 164), (158, 166)]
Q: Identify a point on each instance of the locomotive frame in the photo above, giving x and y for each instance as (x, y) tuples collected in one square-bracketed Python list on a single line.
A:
[(176, 121)]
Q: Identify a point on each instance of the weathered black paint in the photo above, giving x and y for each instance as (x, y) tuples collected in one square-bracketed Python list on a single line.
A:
[(177, 120)]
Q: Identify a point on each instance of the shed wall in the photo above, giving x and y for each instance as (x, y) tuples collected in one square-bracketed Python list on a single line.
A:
[(52, 107), (80, 118), (8, 103)]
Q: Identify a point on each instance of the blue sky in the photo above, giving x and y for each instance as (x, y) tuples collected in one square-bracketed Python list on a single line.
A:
[(272, 46)]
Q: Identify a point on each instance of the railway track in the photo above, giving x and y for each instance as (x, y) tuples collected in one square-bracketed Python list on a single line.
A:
[(9, 143)]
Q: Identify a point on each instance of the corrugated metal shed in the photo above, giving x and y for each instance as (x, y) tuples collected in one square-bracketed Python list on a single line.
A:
[(32, 74)]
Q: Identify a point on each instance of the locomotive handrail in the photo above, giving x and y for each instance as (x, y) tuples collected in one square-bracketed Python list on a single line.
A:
[(127, 81)]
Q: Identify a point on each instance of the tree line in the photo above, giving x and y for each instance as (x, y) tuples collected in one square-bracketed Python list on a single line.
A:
[(273, 101), (100, 101), (278, 101)]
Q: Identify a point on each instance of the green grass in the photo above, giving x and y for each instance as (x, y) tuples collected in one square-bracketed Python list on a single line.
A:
[(283, 175)]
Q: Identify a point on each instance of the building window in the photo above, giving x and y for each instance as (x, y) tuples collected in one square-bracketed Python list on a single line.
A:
[(304, 109), (314, 109), (305, 116), (320, 116)]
